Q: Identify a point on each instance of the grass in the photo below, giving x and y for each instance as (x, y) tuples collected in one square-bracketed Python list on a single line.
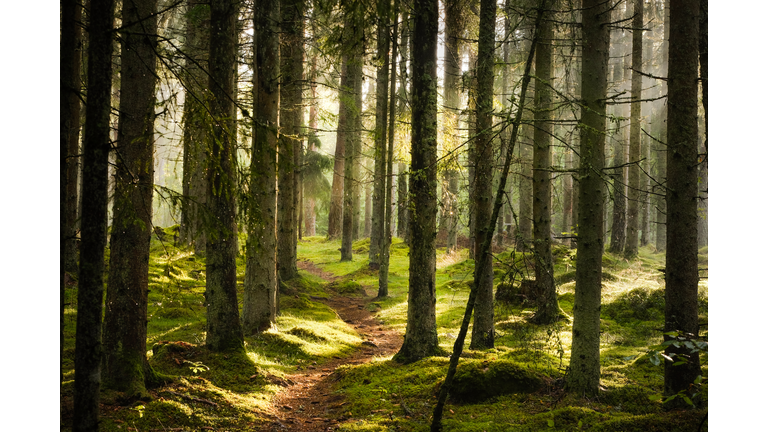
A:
[(236, 390)]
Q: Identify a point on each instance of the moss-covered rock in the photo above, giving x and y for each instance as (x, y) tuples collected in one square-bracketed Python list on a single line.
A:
[(477, 381)]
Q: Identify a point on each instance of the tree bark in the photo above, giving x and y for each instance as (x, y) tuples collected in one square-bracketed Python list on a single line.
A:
[(336, 211), (96, 146), (195, 120), (126, 367), (635, 196), (289, 143), (548, 308), (260, 284), (421, 327), (452, 76), (224, 332), (682, 278), (704, 158), (585, 349), (661, 147), (355, 75), (482, 194)]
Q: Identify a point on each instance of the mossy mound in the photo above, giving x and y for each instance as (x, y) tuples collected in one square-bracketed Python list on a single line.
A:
[(175, 313), (307, 334), (476, 380), (361, 246), (347, 288), (637, 304)]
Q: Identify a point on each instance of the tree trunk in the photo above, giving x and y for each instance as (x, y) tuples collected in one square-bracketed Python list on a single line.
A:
[(682, 278), (421, 327), (126, 367), (635, 196), (355, 75), (224, 332), (618, 180), (704, 165), (661, 148), (260, 284), (336, 211), (402, 200), (482, 194), (380, 134), (291, 67), (96, 146), (195, 120), (69, 133), (585, 349), (452, 78), (310, 215), (548, 308)]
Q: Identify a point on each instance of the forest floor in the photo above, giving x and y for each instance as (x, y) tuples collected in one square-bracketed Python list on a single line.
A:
[(309, 403), (326, 364)]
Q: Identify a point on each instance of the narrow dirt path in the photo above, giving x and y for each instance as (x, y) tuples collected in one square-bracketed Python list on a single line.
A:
[(308, 403)]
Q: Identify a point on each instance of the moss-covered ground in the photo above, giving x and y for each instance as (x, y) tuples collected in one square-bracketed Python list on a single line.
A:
[(234, 392)]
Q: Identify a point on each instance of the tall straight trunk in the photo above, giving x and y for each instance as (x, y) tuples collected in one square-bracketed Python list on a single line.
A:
[(618, 180), (704, 165), (126, 367), (681, 312), (224, 332), (195, 120), (525, 215), (471, 143), (645, 207), (402, 102), (661, 148), (357, 143), (260, 284), (585, 349), (380, 134), (635, 196), (310, 215), (452, 76), (368, 203), (69, 126), (482, 194), (96, 145), (421, 327), (548, 308), (387, 229), (355, 75), (69, 134), (567, 224), (291, 67), (336, 211)]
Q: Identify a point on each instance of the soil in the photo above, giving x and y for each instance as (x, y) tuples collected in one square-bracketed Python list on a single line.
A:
[(308, 403)]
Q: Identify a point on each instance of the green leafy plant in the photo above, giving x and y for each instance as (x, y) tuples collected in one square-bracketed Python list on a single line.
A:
[(678, 340), (197, 367)]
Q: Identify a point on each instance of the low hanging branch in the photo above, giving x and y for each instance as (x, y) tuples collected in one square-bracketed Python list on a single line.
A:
[(485, 255)]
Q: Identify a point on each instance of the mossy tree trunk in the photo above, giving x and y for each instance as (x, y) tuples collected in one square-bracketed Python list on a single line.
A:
[(336, 210), (96, 147), (548, 308), (260, 284), (126, 367), (224, 332), (380, 134), (291, 74), (196, 123), (421, 327), (635, 197), (585, 349), (681, 311), (454, 26), (355, 76), (482, 194)]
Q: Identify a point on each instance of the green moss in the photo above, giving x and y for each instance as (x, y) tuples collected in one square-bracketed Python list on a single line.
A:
[(637, 304), (480, 380)]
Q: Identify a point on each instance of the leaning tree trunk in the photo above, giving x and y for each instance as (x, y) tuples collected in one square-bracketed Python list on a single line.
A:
[(681, 311), (260, 284), (96, 146), (224, 332), (126, 367), (421, 327), (482, 327), (585, 349)]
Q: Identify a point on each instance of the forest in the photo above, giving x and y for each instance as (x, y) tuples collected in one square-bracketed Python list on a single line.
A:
[(384, 215)]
